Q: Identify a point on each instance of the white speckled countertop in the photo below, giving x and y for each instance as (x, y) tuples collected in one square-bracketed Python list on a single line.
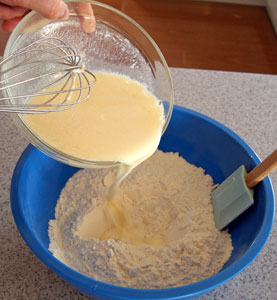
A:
[(246, 103)]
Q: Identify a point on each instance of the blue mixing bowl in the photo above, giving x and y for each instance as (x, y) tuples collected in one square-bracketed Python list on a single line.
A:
[(38, 180)]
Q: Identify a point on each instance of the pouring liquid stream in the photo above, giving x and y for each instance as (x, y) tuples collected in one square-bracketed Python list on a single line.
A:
[(115, 220)]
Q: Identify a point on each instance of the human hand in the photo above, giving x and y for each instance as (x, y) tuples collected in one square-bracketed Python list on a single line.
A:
[(86, 16), (12, 11)]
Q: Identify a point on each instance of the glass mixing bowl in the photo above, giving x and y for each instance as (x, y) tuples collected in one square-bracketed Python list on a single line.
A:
[(118, 45)]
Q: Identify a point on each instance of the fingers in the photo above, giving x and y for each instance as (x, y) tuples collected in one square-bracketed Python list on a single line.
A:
[(85, 13), (9, 25), (51, 9), (12, 10), (8, 12), (11, 16)]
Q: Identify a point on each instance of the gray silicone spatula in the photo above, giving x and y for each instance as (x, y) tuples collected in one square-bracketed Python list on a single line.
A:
[(234, 195)]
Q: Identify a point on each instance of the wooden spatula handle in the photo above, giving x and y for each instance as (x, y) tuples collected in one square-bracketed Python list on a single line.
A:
[(262, 170)]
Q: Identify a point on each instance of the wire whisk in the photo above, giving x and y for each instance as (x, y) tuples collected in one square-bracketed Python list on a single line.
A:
[(49, 69)]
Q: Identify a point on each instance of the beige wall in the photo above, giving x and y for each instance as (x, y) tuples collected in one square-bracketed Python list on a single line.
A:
[(245, 2), (272, 10)]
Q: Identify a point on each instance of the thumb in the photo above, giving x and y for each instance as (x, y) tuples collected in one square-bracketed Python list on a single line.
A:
[(51, 9)]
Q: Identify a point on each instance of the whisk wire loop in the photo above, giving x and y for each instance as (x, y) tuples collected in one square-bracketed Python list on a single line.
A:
[(46, 68)]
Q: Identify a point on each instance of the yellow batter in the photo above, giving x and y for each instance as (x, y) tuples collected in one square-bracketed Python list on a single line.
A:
[(120, 122)]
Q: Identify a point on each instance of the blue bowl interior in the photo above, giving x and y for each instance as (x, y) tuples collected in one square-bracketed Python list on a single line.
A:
[(38, 180)]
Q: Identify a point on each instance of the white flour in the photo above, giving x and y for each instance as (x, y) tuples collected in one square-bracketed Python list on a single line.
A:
[(166, 196)]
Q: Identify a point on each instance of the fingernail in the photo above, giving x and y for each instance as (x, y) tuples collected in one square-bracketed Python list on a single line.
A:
[(64, 13), (88, 26)]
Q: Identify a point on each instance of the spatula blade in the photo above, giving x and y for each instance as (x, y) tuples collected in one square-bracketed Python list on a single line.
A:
[(231, 198)]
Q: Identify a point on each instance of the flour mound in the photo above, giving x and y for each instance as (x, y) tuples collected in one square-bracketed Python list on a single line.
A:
[(171, 198)]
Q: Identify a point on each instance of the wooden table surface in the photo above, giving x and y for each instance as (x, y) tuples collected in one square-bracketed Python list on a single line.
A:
[(205, 35)]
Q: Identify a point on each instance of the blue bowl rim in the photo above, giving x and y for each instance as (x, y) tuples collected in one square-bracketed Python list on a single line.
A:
[(101, 288)]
